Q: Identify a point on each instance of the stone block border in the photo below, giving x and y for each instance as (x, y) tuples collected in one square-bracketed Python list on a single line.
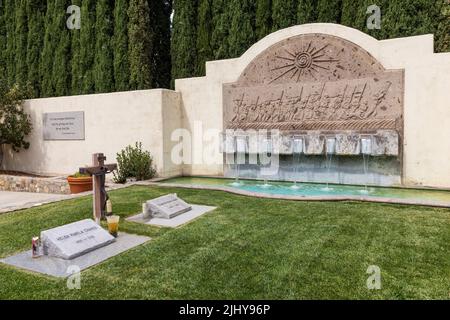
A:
[(54, 185)]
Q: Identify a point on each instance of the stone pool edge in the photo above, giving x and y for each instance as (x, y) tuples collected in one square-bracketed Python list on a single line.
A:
[(301, 198)]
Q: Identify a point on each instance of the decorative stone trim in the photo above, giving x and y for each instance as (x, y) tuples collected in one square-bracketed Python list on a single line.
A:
[(55, 185)]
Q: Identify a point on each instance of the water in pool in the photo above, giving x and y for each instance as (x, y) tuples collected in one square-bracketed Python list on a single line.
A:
[(313, 189)]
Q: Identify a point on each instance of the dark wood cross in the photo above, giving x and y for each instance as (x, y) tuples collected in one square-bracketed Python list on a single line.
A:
[(98, 171)]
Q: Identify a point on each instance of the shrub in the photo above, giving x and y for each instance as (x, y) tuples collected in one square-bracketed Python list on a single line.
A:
[(15, 124), (133, 162), (80, 175)]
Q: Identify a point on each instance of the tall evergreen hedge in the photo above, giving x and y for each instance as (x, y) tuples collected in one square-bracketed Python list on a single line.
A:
[(140, 50), (184, 36), (9, 8), (3, 75), (103, 61), (120, 45), (204, 35), (61, 70), (306, 11), (35, 43), (263, 20), (242, 32), (162, 64), (48, 51), (87, 45), (77, 76), (21, 40), (284, 14), (134, 44)]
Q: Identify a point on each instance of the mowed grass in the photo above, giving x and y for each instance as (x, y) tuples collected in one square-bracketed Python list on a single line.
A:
[(248, 248)]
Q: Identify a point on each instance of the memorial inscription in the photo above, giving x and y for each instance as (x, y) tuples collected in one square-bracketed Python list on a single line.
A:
[(166, 207), (64, 126), (75, 239)]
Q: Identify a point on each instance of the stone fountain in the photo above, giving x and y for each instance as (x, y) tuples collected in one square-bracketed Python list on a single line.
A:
[(325, 105)]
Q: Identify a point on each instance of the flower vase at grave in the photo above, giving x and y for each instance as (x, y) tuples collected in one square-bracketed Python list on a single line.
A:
[(113, 225)]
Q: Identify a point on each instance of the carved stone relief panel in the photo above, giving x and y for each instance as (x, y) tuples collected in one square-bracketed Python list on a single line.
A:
[(315, 82)]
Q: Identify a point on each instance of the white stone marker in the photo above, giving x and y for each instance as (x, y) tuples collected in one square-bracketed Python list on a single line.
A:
[(75, 239), (166, 207)]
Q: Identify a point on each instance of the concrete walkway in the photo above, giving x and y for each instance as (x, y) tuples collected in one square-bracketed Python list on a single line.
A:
[(11, 201)]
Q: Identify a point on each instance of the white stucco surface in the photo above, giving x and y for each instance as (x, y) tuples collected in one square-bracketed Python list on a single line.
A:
[(112, 121)]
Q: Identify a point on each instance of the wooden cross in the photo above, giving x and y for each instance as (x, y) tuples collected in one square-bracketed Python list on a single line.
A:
[(98, 171)]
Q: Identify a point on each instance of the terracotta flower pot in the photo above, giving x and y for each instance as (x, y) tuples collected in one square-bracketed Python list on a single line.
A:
[(79, 185)]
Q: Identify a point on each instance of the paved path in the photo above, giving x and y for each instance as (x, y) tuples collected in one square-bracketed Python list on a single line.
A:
[(10, 201), (13, 201)]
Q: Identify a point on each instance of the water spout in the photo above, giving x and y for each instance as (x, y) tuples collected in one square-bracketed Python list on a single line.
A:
[(241, 150), (366, 151), (297, 146), (330, 151)]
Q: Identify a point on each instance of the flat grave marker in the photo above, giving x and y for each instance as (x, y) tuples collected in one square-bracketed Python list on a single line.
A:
[(166, 207), (75, 239)]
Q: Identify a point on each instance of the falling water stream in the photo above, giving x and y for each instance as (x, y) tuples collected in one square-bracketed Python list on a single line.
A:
[(366, 169), (330, 150), (366, 150)]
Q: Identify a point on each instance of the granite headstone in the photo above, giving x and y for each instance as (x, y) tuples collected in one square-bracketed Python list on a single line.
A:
[(75, 239), (166, 207)]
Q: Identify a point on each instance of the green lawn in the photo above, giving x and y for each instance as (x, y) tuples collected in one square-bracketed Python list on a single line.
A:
[(248, 248)]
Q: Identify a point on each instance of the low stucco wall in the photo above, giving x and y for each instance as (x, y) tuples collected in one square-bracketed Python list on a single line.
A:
[(426, 150), (112, 121)]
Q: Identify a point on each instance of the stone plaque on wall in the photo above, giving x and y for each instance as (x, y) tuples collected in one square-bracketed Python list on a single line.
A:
[(63, 126), (315, 82)]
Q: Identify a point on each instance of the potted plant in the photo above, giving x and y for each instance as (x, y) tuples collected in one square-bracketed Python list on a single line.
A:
[(79, 182)]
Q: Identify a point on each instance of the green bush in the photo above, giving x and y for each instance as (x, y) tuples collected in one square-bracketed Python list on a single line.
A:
[(15, 123), (80, 175), (133, 162)]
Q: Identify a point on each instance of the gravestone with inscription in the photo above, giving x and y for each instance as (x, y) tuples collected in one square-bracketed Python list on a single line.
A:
[(73, 240), (165, 207), (63, 126)]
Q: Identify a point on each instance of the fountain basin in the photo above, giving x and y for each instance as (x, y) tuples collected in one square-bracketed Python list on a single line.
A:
[(316, 192)]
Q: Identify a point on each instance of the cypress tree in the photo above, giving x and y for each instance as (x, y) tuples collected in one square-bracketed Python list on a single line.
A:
[(443, 32), (48, 51), (184, 53), (61, 73), (140, 47), (263, 20), (204, 35), (306, 11), (3, 74), (412, 17), (77, 77), (242, 32), (87, 46), (21, 35), (36, 15), (284, 14), (121, 66), (162, 64), (103, 66), (221, 20), (10, 18), (329, 11), (351, 13)]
